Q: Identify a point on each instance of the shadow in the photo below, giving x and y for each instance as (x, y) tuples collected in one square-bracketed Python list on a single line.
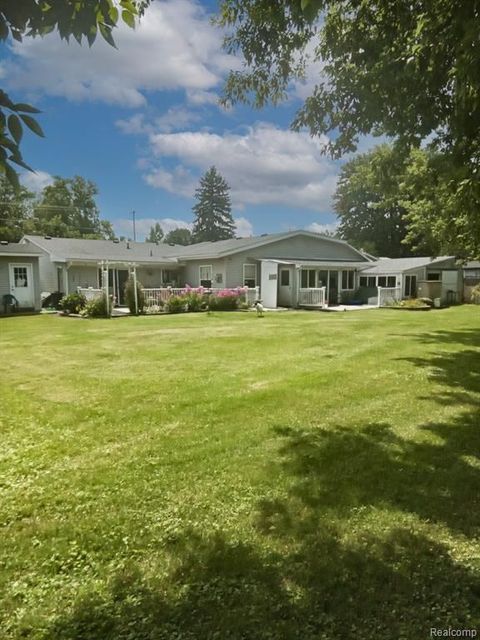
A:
[(395, 587), (359, 544)]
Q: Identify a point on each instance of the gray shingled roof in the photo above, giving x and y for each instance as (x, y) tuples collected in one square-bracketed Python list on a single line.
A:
[(80, 249), (14, 248), (65, 249), (473, 264), (398, 265), (223, 248)]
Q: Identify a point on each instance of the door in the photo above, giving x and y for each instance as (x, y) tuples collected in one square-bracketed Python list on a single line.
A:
[(122, 277), (332, 287), (21, 284), (285, 287)]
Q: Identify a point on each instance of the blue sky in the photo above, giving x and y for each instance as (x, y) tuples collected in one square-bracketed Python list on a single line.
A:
[(143, 122)]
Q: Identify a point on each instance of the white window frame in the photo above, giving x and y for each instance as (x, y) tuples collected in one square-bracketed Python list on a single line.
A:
[(348, 271), (205, 266), (249, 264), (308, 271)]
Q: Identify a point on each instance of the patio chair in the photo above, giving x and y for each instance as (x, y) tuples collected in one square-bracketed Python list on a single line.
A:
[(9, 300)]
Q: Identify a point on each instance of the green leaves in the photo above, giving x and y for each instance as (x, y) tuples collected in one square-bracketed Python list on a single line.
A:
[(15, 128)]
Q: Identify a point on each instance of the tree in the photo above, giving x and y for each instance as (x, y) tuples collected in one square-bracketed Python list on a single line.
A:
[(156, 233), (67, 209), (179, 236), (370, 204), (15, 210), (30, 18), (213, 210), (407, 70)]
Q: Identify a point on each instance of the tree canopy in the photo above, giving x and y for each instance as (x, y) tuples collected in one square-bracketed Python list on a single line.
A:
[(179, 236), (66, 209), (213, 217), (406, 70), (155, 234), (82, 19)]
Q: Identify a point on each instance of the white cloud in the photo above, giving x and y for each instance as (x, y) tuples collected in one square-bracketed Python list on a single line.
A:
[(265, 165), (243, 227), (123, 226), (174, 47), (318, 227), (36, 181)]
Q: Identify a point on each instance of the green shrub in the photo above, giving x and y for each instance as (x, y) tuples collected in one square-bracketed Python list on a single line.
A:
[(194, 301), (130, 296), (475, 297), (97, 308), (176, 304), (224, 301), (73, 303)]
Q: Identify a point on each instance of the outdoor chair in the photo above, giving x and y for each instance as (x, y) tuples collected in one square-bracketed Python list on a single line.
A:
[(9, 300)]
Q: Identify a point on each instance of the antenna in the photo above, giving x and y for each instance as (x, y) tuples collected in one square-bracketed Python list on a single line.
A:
[(134, 232)]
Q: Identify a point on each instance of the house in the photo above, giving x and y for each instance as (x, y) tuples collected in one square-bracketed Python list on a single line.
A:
[(19, 276), (294, 268), (423, 277), (471, 278)]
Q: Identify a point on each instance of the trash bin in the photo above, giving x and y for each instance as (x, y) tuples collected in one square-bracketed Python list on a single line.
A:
[(437, 303)]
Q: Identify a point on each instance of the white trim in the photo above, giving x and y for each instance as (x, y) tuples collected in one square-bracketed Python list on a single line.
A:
[(352, 288)]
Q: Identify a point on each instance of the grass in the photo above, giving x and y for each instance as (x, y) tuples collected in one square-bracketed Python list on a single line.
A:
[(193, 477)]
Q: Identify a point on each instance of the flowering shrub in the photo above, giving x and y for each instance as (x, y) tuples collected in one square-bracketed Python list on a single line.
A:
[(195, 301), (97, 308), (226, 299)]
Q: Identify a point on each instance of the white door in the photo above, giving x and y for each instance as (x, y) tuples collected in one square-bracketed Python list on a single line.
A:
[(285, 286), (21, 284)]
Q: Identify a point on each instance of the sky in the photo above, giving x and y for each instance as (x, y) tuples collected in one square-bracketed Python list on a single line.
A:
[(143, 122)]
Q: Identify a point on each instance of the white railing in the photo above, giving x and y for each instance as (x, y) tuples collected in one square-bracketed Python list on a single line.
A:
[(90, 293), (388, 295), (158, 297), (312, 297)]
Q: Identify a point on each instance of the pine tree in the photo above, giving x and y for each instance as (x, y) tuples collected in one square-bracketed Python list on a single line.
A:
[(213, 219)]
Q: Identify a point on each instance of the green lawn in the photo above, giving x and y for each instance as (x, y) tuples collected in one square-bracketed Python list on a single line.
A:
[(299, 476)]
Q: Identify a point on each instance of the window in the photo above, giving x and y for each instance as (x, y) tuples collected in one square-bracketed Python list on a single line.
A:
[(308, 278), (348, 279), (391, 281), (284, 277), (434, 276), (368, 281), (218, 278), (382, 281), (20, 276), (410, 286), (250, 275), (206, 275)]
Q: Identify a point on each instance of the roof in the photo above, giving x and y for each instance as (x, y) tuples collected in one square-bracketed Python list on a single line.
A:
[(398, 265), (85, 250), (13, 249), (223, 248), (472, 264), (82, 249), (318, 264)]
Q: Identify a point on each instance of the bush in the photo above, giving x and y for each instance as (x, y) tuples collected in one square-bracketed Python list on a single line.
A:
[(97, 308), (73, 303), (475, 297), (176, 304), (195, 301), (130, 296), (226, 300)]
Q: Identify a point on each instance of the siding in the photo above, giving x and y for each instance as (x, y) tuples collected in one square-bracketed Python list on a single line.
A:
[(219, 267), (5, 277), (81, 277)]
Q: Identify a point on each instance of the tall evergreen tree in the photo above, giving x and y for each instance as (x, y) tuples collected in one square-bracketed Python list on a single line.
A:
[(156, 233), (213, 219)]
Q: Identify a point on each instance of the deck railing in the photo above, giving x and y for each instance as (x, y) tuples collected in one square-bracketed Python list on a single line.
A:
[(157, 297), (312, 297), (388, 295), (89, 292)]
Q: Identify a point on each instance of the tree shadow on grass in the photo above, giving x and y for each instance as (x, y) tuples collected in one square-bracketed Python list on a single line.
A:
[(348, 551)]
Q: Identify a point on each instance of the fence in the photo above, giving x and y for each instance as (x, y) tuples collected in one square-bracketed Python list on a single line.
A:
[(155, 299), (311, 297), (388, 295)]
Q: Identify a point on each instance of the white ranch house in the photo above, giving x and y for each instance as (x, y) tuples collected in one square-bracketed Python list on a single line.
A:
[(292, 269)]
